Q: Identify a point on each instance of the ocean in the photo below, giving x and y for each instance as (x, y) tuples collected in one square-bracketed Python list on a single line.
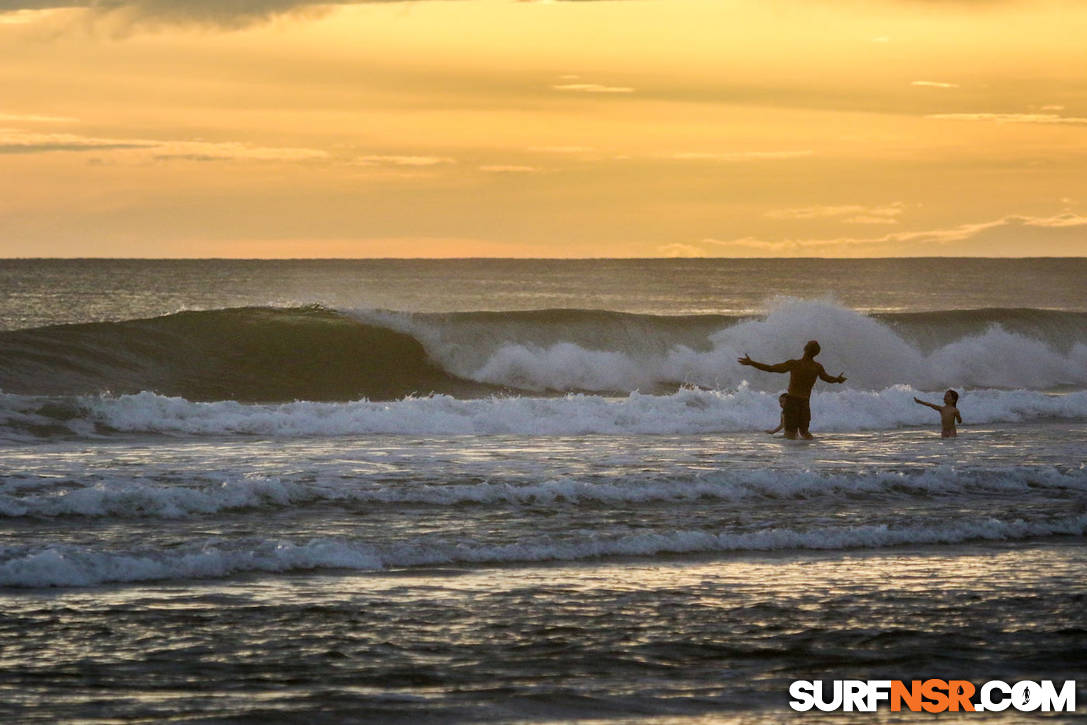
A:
[(359, 491)]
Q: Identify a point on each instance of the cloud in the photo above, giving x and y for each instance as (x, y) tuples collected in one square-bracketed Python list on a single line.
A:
[(1067, 220), (14, 6), (1011, 236), (592, 88), (379, 160), (508, 169), (681, 250), (591, 153), (15, 141), (22, 17), (1009, 117), (34, 118), (209, 151), (735, 155), (234, 14), (934, 84), (562, 149), (854, 213), (224, 14), (870, 219)]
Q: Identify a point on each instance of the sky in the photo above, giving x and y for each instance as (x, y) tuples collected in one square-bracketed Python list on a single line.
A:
[(561, 128)]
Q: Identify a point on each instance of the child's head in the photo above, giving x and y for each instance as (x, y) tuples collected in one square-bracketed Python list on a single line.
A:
[(782, 398), (951, 397)]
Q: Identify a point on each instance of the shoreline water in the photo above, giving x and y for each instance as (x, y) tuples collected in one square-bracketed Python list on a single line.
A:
[(191, 506), (609, 537), (683, 637)]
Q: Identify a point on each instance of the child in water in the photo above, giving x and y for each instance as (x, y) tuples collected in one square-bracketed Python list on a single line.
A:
[(949, 414), (781, 422)]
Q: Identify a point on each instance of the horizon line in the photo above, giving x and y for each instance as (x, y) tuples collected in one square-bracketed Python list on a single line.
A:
[(515, 259)]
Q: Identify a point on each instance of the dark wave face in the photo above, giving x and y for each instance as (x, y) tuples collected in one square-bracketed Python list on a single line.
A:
[(260, 354), (245, 354)]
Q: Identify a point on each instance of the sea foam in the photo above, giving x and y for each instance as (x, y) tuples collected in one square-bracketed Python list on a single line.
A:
[(688, 411), (624, 353), (65, 565), (120, 497)]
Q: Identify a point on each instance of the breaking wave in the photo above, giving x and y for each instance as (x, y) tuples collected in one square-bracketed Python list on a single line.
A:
[(313, 353), (687, 411), (600, 351)]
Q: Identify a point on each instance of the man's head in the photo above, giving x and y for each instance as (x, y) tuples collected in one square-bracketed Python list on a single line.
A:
[(951, 397), (811, 349)]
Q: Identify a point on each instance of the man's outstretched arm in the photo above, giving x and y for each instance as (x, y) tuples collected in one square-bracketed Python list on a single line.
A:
[(779, 368), (828, 379)]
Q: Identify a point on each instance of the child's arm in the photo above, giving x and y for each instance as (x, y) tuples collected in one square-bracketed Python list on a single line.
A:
[(781, 424), (958, 416), (930, 405)]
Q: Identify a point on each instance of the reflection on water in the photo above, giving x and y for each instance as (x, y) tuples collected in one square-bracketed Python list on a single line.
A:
[(673, 640)]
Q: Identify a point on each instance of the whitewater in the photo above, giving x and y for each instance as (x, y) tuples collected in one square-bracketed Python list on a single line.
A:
[(546, 372), (594, 351), (382, 491), (687, 411)]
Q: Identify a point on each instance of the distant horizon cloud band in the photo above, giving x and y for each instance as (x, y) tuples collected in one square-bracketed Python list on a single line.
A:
[(521, 128)]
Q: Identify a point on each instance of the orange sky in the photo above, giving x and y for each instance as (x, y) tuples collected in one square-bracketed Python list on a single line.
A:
[(632, 128)]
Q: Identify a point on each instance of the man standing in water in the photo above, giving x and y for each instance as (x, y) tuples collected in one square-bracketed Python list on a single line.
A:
[(802, 375)]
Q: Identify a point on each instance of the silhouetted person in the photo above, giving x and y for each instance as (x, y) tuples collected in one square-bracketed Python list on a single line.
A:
[(802, 376), (949, 413), (781, 423)]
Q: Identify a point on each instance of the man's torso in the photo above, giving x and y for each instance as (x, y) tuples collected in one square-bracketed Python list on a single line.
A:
[(802, 377)]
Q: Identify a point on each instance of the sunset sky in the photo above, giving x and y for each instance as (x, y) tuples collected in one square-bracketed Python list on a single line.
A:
[(610, 128)]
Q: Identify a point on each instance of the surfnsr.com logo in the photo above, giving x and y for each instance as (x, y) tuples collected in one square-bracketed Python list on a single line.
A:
[(932, 696)]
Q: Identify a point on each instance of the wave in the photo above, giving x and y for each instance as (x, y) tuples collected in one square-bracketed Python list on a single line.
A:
[(603, 351), (251, 354), (66, 565), (688, 411), (125, 498), (312, 353)]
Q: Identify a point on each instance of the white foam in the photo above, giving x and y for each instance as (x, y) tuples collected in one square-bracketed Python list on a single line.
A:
[(687, 411), (72, 566), (136, 498), (870, 352), (66, 566)]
